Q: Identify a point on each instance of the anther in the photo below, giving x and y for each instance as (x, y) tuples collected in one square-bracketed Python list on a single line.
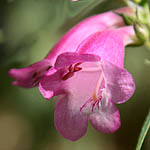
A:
[(48, 68), (72, 69), (68, 75), (34, 75)]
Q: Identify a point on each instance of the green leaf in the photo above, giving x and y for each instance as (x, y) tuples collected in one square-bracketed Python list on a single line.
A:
[(144, 131)]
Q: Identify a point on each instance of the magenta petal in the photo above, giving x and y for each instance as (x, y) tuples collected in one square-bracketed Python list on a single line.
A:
[(29, 76), (51, 84), (71, 124), (68, 58), (109, 44), (47, 94), (71, 40), (119, 82), (107, 118)]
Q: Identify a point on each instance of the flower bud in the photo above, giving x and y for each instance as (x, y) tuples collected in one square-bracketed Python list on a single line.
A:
[(128, 19), (142, 32), (137, 1)]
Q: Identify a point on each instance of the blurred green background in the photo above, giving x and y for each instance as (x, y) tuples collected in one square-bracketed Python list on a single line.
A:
[(28, 29)]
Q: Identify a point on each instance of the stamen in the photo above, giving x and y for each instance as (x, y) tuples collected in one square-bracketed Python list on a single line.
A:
[(77, 64), (95, 96), (91, 69), (67, 76), (72, 69), (100, 80), (35, 74), (48, 68), (97, 67), (88, 101), (96, 100), (77, 69), (94, 104)]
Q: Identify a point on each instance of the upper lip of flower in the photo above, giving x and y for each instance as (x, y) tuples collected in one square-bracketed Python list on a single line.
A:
[(70, 41)]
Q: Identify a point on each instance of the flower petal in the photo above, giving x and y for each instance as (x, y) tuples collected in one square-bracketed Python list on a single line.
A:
[(71, 40), (68, 58), (51, 84), (29, 77), (107, 118), (119, 82), (109, 44), (71, 124)]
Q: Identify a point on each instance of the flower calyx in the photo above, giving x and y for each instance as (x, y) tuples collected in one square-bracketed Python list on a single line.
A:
[(140, 20)]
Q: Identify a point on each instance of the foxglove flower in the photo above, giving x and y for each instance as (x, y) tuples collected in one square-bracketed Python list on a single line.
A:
[(91, 81), (30, 76)]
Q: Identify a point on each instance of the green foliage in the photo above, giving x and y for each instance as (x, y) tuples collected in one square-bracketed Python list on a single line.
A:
[(143, 133)]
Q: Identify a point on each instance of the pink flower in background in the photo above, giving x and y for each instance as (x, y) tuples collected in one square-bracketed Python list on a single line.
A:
[(91, 81), (30, 76)]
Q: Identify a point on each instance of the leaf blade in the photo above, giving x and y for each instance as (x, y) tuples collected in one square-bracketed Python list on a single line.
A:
[(144, 131)]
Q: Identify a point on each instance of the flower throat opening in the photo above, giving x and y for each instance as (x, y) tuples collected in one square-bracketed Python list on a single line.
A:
[(73, 68)]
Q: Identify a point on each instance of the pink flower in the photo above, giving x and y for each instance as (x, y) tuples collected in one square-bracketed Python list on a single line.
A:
[(30, 76), (85, 68), (91, 81)]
